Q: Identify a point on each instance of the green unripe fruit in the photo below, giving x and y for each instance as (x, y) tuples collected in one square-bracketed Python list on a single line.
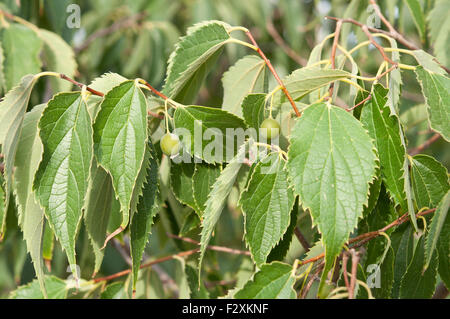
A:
[(270, 128), (170, 144)]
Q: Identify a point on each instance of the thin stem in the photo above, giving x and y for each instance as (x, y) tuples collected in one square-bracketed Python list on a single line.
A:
[(275, 74), (286, 48), (337, 32), (354, 107), (363, 238), (306, 246), (425, 144), (212, 247)]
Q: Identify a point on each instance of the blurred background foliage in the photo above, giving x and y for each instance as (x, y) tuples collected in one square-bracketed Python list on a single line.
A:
[(135, 38)]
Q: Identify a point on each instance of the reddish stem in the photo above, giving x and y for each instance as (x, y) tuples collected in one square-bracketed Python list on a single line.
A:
[(269, 65)]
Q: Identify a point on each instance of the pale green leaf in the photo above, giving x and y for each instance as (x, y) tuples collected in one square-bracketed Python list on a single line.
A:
[(418, 17), (120, 136), (248, 75), (440, 30), (61, 181), (435, 229), (331, 163), (217, 198), (31, 215), (97, 210), (273, 281), (266, 203), (201, 42), (56, 289), (12, 112), (147, 208), (436, 89), (21, 48), (430, 180), (59, 57), (209, 126), (104, 84), (428, 62), (303, 81), (384, 129)]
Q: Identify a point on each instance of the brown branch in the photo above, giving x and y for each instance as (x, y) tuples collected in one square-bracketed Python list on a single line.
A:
[(80, 85), (355, 261), (311, 281), (337, 32), (124, 23), (363, 101), (371, 235), (379, 47), (344, 269), (275, 74), (153, 262), (306, 246), (166, 258), (396, 36), (155, 90), (212, 247), (286, 48), (424, 145)]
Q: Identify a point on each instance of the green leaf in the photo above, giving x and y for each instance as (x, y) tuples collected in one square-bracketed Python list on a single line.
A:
[(331, 163), (217, 198), (428, 62), (384, 129), (2, 74), (273, 281), (147, 208), (181, 181), (436, 89), (198, 291), (440, 30), (253, 107), (303, 81), (266, 203), (114, 291), (418, 17), (104, 84), (443, 246), (56, 289), (201, 42), (12, 112), (59, 57), (436, 226), (97, 210), (430, 180), (3, 207), (417, 284), (213, 145), (21, 48), (402, 242), (31, 215), (248, 75), (66, 134), (120, 136), (395, 81), (282, 248), (205, 175)]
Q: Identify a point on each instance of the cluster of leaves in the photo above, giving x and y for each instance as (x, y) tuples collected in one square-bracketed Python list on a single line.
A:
[(91, 164)]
